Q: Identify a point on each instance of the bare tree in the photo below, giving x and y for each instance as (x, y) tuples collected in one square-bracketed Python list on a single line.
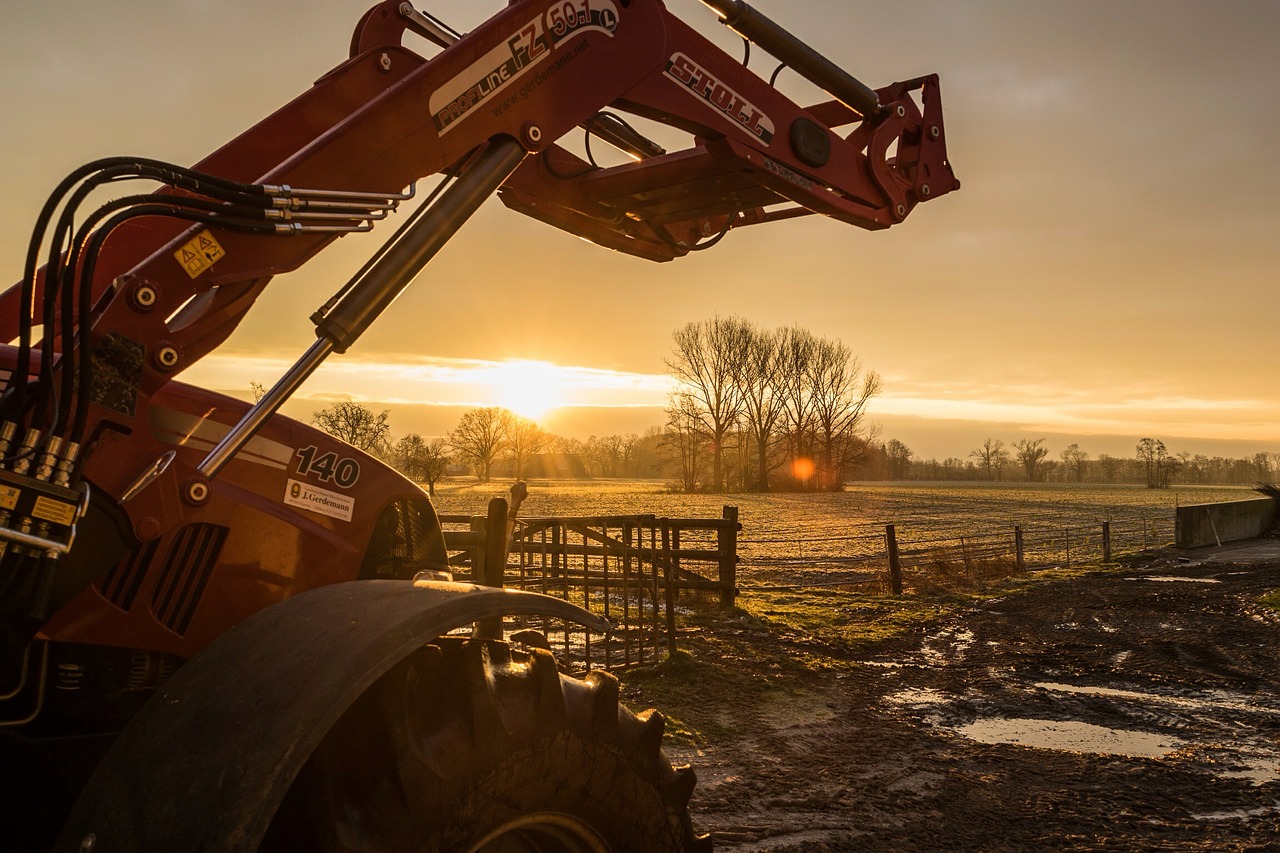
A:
[(685, 437), (707, 359), (991, 456), (1074, 458), (840, 393), (524, 439), (898, 456), (1153, 454), (763, 399), (421, 460), (611, 454), (795, 365), (1109, 466), (480, 437), (1031, 454), (357, 425)]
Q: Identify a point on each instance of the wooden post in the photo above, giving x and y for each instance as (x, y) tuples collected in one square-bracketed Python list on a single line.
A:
[(558, 555), (895, 563), (477, 549), (493, 565), (728, 548), (1019, 554), (668, 572), (626, 592), (1106, 542)]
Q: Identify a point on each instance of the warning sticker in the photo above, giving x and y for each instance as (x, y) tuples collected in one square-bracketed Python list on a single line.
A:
[(199, 253), (319, 500), (9, 497), (48, 509)]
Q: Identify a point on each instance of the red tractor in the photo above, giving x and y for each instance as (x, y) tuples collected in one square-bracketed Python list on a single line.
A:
[(221, 629)]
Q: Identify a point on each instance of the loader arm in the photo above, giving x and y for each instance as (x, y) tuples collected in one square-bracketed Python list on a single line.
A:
[(163, 279)]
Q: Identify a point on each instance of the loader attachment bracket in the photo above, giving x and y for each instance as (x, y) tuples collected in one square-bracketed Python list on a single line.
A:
[(205, 765)]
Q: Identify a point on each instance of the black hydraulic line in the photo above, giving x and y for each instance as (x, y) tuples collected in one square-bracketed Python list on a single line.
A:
[(89, 263), (14, 399), (67, 285), (380, 286), (696, 247), (808, 63)]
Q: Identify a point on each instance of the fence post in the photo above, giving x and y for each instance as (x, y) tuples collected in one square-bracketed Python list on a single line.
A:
[(477, 548), (1019, 555), (728, 548), (895, 564), (668, 573), (493, 563), (1106, 542)]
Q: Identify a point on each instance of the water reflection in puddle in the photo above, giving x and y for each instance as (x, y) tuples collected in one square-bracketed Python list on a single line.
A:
[(1069, 736), (1220, 701), (1171, 579)]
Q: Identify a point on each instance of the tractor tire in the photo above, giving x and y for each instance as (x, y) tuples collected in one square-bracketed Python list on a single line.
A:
[(470, 746)]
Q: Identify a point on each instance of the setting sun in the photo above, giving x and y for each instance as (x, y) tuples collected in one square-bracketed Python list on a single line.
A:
[(531, 389)]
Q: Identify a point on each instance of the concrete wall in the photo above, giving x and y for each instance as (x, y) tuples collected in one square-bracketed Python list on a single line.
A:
[(1195, 526)]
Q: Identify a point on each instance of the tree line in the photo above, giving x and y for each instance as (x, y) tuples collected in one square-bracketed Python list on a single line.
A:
[(1030, 460), (492, 441)]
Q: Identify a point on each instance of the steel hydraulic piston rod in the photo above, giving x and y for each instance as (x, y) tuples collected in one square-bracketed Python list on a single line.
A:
[(378, 287), (807, 62)]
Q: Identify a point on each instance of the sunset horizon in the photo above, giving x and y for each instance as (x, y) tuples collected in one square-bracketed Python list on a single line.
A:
[(433, 394)]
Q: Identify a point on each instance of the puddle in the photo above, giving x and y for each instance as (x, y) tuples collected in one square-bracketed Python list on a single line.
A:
[(959, 642), (1172, 579), (923, 698), (1069, 736), (1222, 701), (1238, 814), (1260, 769)]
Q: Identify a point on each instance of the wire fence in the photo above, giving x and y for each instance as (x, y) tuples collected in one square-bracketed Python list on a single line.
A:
[(863, 557), (646, 573)]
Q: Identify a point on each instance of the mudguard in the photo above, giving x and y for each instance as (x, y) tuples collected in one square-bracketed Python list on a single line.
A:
[(206, 763)]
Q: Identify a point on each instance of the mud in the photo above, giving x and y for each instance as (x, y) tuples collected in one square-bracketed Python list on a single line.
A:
[(1131, 710)]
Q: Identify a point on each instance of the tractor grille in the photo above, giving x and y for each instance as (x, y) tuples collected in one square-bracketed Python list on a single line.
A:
[(120, 585), (184, 574), (406, 540)]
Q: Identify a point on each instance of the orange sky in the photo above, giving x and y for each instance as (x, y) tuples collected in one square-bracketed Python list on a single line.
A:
[(1108, 271)]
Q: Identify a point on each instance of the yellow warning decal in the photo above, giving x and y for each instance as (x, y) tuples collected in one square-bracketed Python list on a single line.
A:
[(9, 497), (199, 253), (58, 512)]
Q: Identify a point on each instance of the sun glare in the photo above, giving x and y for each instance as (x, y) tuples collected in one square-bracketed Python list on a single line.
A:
[(531, 389)]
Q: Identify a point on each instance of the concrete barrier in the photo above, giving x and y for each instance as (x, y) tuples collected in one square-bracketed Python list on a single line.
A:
[(1212, 524)]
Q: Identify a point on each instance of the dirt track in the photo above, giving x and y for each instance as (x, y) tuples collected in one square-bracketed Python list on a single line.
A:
[(1160, 683)]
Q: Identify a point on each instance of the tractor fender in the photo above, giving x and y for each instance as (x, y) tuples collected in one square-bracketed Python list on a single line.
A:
[(206, 762)]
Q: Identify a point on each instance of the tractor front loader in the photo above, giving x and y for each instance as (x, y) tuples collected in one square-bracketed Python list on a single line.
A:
[(222, 629)]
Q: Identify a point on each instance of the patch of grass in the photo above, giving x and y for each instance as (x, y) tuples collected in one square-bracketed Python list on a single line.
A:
[(689, 688), (845, 622), (1271, 600)]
